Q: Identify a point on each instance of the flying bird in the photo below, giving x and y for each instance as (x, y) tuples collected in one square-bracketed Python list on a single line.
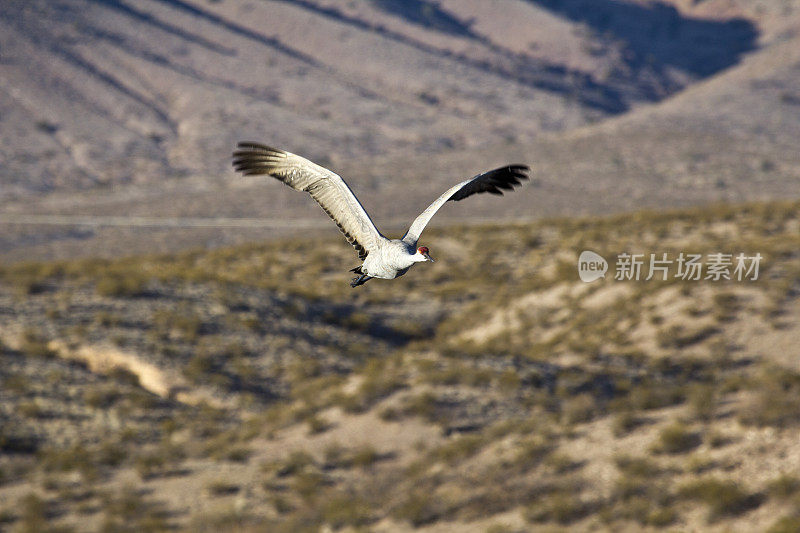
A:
[(382, 258)]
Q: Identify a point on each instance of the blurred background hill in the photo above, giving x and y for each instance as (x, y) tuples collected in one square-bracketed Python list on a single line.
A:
[(132, 108)]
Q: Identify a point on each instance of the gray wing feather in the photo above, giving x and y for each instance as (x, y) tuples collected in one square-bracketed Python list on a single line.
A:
[(493, 182), (326, 187)]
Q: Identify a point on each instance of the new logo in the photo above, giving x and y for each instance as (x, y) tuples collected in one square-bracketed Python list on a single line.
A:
[(591, 266)]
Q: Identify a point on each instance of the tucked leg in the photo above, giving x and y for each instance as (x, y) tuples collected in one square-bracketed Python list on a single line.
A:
[(360, 280)]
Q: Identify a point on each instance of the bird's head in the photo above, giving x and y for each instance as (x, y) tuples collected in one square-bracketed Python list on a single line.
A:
[(423, 251)]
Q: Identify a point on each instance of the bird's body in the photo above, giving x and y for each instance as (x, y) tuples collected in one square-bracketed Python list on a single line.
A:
[(390, 259), (383, 258)]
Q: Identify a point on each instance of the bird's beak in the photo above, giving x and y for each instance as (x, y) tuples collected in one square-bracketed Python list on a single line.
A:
[(429, 258)]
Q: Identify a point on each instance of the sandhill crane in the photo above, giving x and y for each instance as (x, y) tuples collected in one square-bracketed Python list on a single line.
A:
[(382, 258)]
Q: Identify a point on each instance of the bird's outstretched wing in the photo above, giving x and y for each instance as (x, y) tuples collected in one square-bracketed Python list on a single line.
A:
[(326, 187), (492, 182)]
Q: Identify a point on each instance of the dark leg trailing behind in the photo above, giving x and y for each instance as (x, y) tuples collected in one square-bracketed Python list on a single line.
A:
[(360, 279)]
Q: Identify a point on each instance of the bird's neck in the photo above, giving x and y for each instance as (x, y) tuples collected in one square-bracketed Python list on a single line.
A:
[(407, 259)]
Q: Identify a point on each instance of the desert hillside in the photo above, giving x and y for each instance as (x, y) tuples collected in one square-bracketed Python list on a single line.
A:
[(168, 86), (250, 388)]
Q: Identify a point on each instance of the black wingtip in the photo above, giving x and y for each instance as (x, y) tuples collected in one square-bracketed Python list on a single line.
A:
[(494, 181), (253, 145), (252, 148), (252, 157)]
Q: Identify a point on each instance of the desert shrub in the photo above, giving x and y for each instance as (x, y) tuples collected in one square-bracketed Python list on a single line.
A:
[(101, 396), (787, 524), (676, 438), (390, 414), (631, 489), (280, 502), (717, 439), (74, 458), (581, 408), (238, 454), (380, 379), (637, 466), (76, 493), (337, 456), (641, 503), (317, 424), (419, 507), (500, 528), (182, 323), (455, 373), (412, 329), (123, 375), (30, 409), (31, 278), (508, 381), (30, 285), (531, 453), (723, 497), (784, 486), (119, 285), (726, 305), (423, 405), (459, 448), (297, 461), (364, 456), (309, 484), (357, 321), (107, 319), (33, 513), (774, 401), (15, 383), (638, 494), (698, 463), (34, 344), (334, 455), (199, 367), (655, 395), (679, 337), (561, 463), (661, 517), (7, 517), (149, 464), (225, 445), (564, 508), (343, 510), (702, 400), (252, 322), (625, 422), (128, 511), (109, 453), (224, 517), (222, 487), (141, 398)]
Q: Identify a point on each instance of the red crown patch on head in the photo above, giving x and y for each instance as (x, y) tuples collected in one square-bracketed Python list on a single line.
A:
[(423, 249)]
